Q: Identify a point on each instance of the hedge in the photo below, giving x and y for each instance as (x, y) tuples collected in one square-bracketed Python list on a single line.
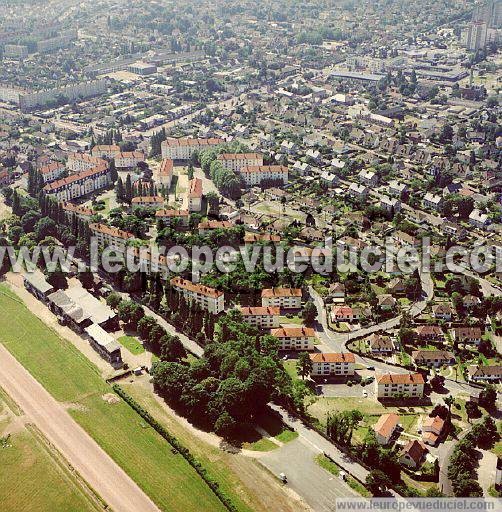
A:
[(175, 443)]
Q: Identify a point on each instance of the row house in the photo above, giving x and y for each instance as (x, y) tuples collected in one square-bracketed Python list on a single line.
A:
[(52, 171), (128, 159), (433, 358), (105, 150), (236, 161), (295, 338), (209, 299), (327, 364), (81, 184), (405, 239), (184, 148), (81, 212), (485, 373), (80, 162), (165, 175), (388, 385), (255, 174), (467, 335), (285, 298), (261, 317), (256, 238), (108, 236), (148, 201), (195, 195), (173, 217), (210, 225)]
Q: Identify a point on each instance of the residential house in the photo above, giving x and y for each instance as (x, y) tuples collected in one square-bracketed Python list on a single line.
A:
[(165, 175), (467, 335), (405, 239), (470, 301), (345, 314), (388, 385), (385, 427), (386, 302), (336, 291), (128, 159), (326, 364), (426, 333), (479, 220), (254, 175), (379, 344), (442, 312), (236, 161), (435, 358), (285, 298), (368, 177), (105, 150), (209, 299), (432, 429), (358, 191), (261, 317), (432, 202), (295, 338), (210, 225), (413, 454), (81, 212), (396, 189), (396, 286), (485, 373), (390, 204), (253, 238), (52, 171)]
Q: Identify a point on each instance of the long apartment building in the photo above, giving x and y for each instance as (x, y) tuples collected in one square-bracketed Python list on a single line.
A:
[(165, 175), (327, 364), (236, 161), (80, 162), (52, 171), (261, 317), (105, 150), (108, 236), (195, 195), (81, 184), (295, 338), (178, 217), (388, 385), (184, 148), (286, 298), (256, 174), (74, 210), (128, 159), (148, 201), (209, 299)]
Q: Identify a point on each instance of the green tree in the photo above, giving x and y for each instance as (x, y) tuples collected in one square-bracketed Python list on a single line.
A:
[(304, 365)]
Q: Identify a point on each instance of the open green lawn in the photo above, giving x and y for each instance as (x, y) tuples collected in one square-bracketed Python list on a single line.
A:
[(132, 344), (276, 428), (31, 480), (68, 376), (295, 319)]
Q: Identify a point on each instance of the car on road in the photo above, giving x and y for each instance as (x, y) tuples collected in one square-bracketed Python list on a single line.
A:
[(370, 368), (365, 393), (283, 478)]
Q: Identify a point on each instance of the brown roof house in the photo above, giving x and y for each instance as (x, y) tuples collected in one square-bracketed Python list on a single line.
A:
[(385, 427), (413, 454)]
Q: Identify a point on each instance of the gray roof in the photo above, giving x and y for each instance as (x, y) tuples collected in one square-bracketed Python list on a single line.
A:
[(97, 311), (37, 280), (102, 338)]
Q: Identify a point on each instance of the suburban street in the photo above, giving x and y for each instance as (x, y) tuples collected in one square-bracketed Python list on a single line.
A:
[(96, 467)]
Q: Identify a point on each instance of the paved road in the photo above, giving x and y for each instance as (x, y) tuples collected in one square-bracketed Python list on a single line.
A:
[(318, 487), (114, 486)]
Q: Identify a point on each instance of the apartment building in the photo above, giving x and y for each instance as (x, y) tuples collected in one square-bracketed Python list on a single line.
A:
[(261, 317), (80, 184), (52, 171), (165, 175), (80, 162), (81, 212), (148, 201), (209, 299), (173, 217), (110, 237), (388, 385), (253, 175), (184, 148), (326, 364), (105, 151), (128, 159), (285, 298), (195, 195), (236, 161), (295, 338)]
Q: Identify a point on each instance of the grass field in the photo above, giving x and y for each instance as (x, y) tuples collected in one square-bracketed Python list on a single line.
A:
[(68, 376), (31, 480), (132, 344)]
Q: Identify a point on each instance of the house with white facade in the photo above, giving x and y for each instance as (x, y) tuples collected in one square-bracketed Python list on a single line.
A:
[(208, 298), (285, 298), (328, 364), (295, 338), (262, 317)]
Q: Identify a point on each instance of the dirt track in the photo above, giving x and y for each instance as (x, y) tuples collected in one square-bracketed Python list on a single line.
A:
[(114, 486)]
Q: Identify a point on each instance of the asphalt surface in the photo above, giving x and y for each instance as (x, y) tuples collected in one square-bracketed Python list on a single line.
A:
[(93, 464)]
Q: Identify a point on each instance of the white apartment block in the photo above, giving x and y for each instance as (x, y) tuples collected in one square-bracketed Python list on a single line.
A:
[(326, 364), (79, 185), (389, 385), (209, 299), (195, 195), (105, 151), (52, 171), (128, 159), (286, 298), (148, 201), (255, 174), (236, 161), (184, 148), (81, 212), (182, 217), (107, 236), (165, 175), (261, 317), (79, 162), (295, 338)]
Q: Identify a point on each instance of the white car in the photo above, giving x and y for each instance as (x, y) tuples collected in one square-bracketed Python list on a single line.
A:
[(365, 393)]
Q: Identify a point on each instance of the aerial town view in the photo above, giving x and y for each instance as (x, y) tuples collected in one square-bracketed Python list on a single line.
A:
[(250, 255)]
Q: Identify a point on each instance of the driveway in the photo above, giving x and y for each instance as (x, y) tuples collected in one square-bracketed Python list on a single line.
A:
[(318, 487)]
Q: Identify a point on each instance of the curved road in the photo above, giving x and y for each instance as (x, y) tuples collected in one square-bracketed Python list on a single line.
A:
[(95, 466)]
